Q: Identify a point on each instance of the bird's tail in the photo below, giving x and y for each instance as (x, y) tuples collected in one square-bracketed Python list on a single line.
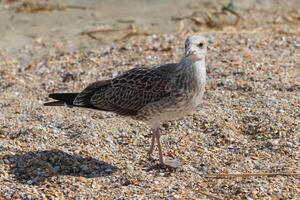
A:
[(63, 99)]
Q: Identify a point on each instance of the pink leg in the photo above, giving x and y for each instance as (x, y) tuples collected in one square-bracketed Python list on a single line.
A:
[(167, 161), (157, 136), (150, 151)]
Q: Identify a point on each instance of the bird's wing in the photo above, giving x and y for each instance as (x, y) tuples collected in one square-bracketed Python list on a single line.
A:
[(131, 91)]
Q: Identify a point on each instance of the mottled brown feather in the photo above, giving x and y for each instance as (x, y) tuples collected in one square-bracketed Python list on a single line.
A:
[(128, 93)]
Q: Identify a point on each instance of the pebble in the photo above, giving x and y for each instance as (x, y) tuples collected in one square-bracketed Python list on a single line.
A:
[(203, 168), (260, 125), (6, 161), (108, 170), (130, 168)]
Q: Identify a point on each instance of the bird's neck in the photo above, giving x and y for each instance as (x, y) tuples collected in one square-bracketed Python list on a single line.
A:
[(196, 67), (195, 71), (200, 70)]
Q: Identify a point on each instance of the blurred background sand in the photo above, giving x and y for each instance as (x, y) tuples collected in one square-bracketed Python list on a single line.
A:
[(45, 26)]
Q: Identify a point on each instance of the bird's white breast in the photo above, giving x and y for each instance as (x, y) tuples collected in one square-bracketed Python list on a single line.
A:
[(200, 73), (192, 99)]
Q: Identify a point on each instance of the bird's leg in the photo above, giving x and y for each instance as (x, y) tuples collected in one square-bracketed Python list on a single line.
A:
[(157, 136), (167, 161), (150, 151)]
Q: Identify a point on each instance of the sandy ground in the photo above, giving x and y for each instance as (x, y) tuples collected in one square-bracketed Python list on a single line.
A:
[(242, 143)]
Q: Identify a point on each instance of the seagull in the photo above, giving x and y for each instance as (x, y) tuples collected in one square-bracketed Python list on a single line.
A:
[(153, 95)]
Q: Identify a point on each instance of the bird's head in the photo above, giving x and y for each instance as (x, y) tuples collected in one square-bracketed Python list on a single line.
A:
[(196, 47)]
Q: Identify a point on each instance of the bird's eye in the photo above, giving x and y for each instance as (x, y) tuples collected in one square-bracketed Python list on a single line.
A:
[(200, 45)]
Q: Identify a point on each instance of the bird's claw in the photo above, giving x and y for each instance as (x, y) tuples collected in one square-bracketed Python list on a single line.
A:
[(151, 158), (170, 162)]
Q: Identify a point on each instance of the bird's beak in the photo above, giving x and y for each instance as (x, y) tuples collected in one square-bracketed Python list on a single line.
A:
[(193, 55), (190, 53)]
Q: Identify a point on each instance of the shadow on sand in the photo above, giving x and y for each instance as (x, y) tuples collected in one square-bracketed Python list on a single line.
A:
[(34, 167)]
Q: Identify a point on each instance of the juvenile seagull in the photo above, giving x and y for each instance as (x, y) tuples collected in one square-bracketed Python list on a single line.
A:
[(153, 95)]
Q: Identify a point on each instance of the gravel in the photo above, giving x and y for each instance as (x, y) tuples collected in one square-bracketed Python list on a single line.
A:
[(242, 143)]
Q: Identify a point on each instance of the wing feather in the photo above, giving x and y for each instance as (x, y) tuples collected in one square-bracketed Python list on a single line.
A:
[(131, 91)]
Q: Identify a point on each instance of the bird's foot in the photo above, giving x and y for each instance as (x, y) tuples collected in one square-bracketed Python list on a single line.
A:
[(151, 158), (170, 162)]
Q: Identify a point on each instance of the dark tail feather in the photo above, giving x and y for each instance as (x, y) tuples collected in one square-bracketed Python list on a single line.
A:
[(63, 99), (55, 103), (66, 99)]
